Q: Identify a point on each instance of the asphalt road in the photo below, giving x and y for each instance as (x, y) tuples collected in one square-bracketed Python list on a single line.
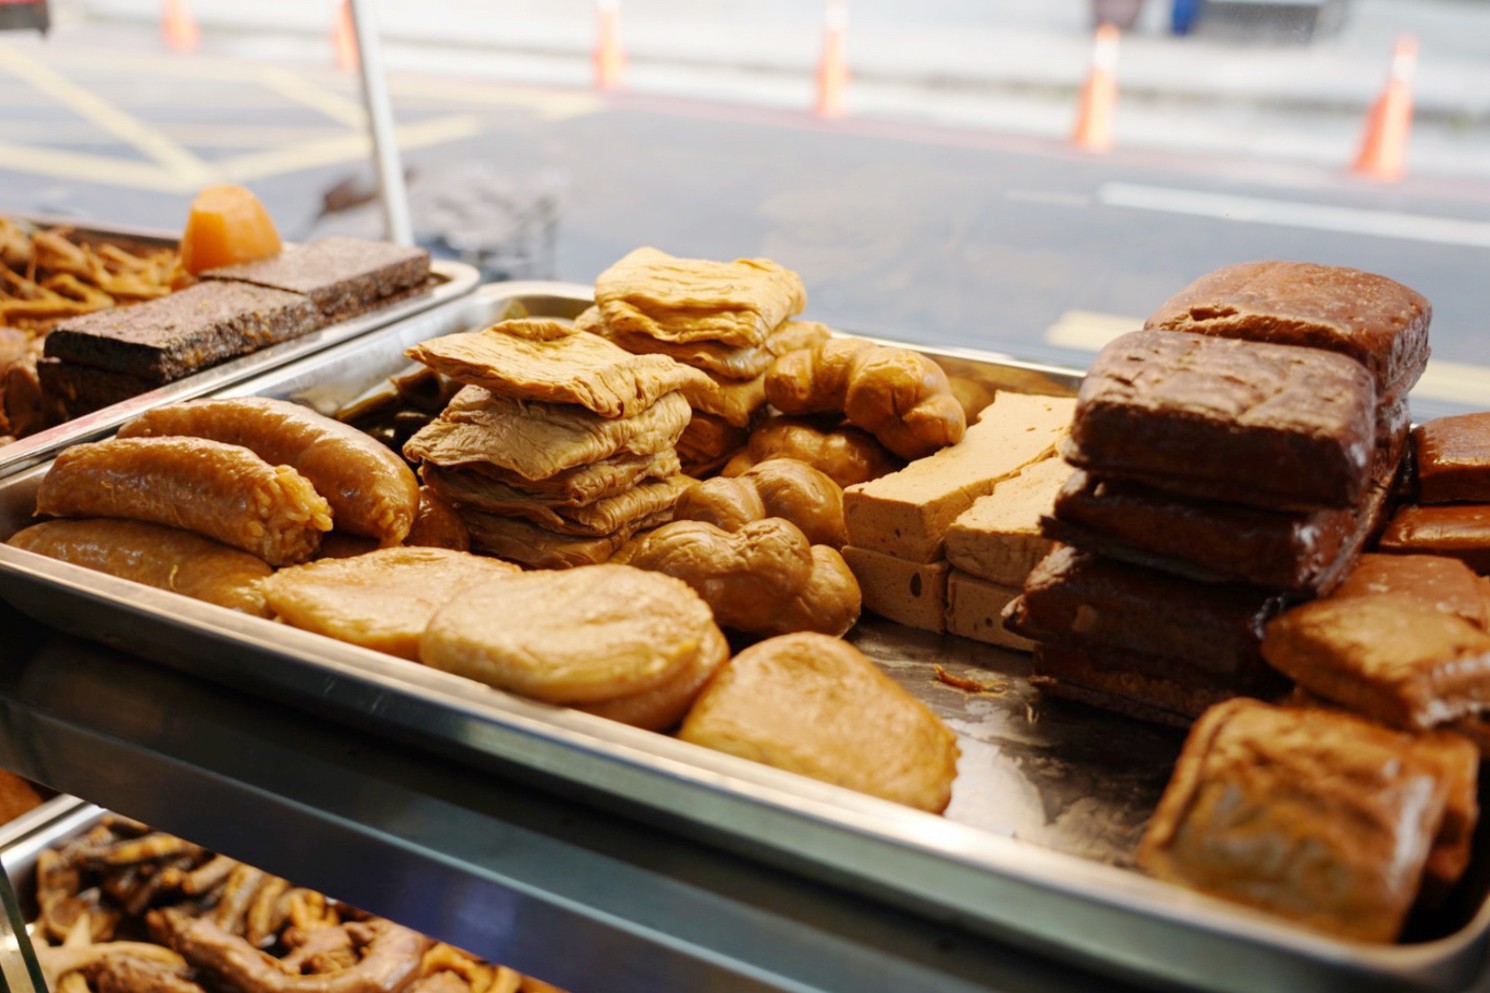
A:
[(944, 235)]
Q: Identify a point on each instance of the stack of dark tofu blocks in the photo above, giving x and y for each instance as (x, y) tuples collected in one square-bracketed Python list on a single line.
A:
[(1234, 456), (111, 355)]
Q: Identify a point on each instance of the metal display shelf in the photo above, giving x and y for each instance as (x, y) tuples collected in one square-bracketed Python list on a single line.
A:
[(591, 897)]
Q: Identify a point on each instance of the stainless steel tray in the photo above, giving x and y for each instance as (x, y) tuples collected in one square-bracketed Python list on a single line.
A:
[(455, 280), (1049, 801)]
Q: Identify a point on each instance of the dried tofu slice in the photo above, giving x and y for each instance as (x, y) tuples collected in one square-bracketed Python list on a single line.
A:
[(726, 361), (552, 362), (603, 517), (686, 300), (538, 440)]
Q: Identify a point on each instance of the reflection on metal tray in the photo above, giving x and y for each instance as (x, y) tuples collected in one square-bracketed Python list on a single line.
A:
[(1049, 801), (451, 280)]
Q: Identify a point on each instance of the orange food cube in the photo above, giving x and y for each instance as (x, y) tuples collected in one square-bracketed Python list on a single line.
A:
[(227, 225)]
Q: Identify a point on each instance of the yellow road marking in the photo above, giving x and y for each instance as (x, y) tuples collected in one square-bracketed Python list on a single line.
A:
[(549, 104), (296, 87), (1456, 382), (342, 148), (243, 136), (183, 164), (1089, 330), (58, 164)]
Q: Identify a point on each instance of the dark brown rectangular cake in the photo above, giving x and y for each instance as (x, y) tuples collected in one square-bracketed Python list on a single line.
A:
[(1453, 459), (1075, 597), (162, 340), (1459, 530), (343, 276), (82, 389), (1313, 814), (1154, 688), (1304, 552), (1375, 320), (1266, 425)]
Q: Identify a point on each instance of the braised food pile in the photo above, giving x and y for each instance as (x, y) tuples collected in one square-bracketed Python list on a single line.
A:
[(540, 447), (48, 276), (1230, 528), (1236, 463), (124, 909)]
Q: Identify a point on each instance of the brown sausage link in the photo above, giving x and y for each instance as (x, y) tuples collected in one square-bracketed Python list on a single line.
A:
[(371, 490), (222, 491), (159, 556)]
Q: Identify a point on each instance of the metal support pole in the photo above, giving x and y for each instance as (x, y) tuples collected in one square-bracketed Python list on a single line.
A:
[(397, 226)]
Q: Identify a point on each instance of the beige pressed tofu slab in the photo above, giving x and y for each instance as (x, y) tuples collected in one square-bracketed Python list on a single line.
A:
[(975, 610), (998, 538), (906, 514), (911, 593)]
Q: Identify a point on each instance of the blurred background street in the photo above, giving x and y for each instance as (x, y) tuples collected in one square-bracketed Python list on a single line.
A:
[(940, 199)]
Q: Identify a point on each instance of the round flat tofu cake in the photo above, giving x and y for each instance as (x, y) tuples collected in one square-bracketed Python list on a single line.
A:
[(572, 636), (382, 599), (815, 705)]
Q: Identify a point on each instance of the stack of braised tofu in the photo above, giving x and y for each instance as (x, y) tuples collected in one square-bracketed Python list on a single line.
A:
[(1236, 455), (559, 446)]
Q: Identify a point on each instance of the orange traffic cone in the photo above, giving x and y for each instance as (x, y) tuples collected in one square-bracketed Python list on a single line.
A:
[(1383, 153), (610, 58), (179, 27), (344, 38), (832, 69), (1093, 131)]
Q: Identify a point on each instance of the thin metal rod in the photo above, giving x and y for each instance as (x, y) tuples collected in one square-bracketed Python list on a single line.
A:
[(397, 225), (19, 971)]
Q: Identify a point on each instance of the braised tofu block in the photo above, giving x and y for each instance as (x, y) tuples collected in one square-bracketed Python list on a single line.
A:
[(998, 538), (1303, 551), (1075, 597), (1266, 425), (907, 514), (1435, 580), (164, 339), (1159, 689), (1315, 815), (341, 276), (1453, 459), (1460, 531), (1377, 321), (1388, 656)]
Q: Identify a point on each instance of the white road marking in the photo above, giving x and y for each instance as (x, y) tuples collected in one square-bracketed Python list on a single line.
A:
[(1456, 382), (1285, 213), (188, 169), (1053, 197)]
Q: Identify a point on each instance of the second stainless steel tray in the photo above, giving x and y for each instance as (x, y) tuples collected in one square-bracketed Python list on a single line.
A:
[(1048, 803), (453, 280)]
